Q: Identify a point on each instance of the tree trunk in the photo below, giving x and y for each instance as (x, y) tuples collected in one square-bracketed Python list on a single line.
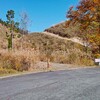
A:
[(99, 48)]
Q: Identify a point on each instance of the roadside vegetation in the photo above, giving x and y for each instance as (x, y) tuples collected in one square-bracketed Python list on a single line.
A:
[(59, 50), (20, 51)]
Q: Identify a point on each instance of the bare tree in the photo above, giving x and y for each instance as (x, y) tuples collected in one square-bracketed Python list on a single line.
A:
[(24, 24)]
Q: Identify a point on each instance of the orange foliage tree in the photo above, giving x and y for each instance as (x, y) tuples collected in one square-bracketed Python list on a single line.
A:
[(87, 13)]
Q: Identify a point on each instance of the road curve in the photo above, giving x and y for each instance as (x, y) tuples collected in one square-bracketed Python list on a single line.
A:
[(79, 84)]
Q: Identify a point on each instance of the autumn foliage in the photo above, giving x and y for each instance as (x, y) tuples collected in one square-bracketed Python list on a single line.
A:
[(87, 13)]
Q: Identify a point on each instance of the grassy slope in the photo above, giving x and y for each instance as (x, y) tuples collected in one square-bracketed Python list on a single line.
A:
[(61, 30), (43, 41), (58, 49)]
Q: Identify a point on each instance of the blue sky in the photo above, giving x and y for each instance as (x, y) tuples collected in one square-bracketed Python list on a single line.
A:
[(43, 13)]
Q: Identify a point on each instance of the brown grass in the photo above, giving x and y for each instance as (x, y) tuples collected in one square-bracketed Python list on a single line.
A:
[(4, 71), (18, 60), (72, 56), (23, 57)]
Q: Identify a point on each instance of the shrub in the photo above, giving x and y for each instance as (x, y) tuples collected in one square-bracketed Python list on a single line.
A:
[(97, 55), (7, 71), (19, 59), (71, 56)]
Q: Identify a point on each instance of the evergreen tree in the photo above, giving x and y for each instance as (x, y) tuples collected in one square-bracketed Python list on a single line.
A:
[(10, 18)]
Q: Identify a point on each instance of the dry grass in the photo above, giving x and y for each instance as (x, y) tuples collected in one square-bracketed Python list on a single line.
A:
[(72, 56), (18, 59), (57, 49), (4, 71), (63, 31), (25, 60), (31, 48)]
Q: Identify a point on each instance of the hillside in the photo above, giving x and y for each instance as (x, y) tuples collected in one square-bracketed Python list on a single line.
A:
[(61, 30), (58, 49), (74, 33), (48, 44), (73, 39), (34, 47), (43, 39)]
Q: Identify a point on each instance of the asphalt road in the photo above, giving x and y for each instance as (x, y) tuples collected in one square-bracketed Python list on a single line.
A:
[(80, 84)]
